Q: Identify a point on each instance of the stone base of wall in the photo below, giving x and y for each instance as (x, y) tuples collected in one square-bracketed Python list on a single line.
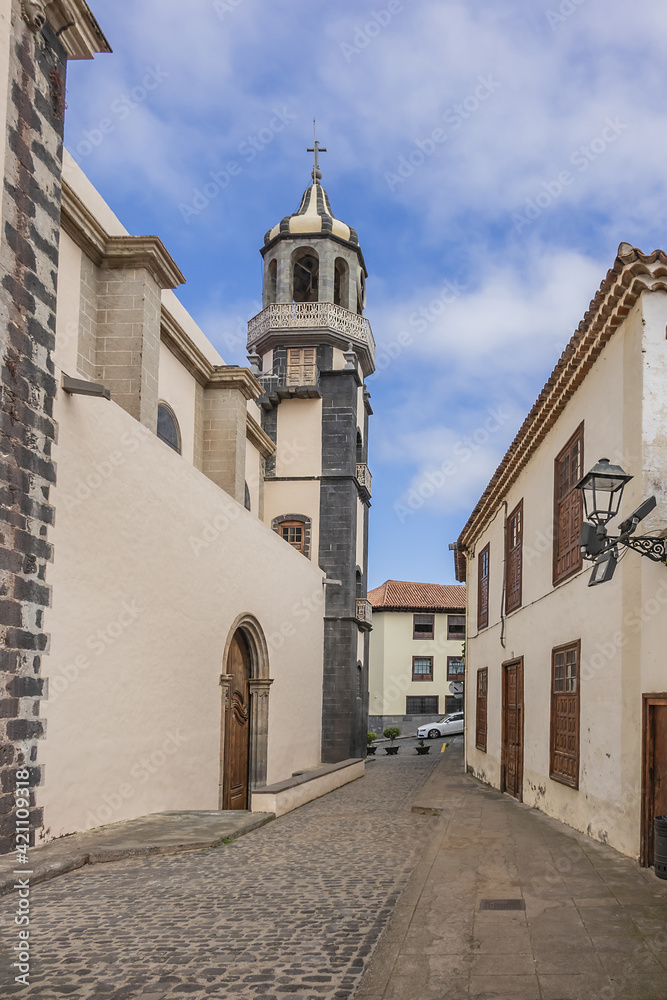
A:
[(286, 795)]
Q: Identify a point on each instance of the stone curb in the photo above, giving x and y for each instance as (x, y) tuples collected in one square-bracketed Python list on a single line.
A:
[(159, 833)]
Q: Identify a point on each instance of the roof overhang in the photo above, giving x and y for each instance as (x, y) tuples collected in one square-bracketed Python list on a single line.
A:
[(76, 28)]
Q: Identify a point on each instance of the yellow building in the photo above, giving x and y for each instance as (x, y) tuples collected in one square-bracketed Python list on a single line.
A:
[(416, 654)]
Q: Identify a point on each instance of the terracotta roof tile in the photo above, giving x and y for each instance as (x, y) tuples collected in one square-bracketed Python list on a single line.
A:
[(396, 595)]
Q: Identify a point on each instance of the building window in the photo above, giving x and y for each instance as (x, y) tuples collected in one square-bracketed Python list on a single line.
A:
[(167, 427), (568, 507), (301, 366), (421, 706), (483, 587), (305, 276), (481, 713), (246, 497), (422, 668), (514, 557), (422, 626), (564, 755), (296, 531), (272, 282), (455, 668), (456, 627), (341, 283)]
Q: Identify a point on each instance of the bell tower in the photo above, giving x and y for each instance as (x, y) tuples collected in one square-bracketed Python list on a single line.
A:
[(312, 348)]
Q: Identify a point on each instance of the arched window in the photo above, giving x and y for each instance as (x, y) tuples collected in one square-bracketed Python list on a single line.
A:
[(167, 427), (295, 529), (305, 275), (341, 283), (272, 281), (246, 501), (359, 584), (360, 447)]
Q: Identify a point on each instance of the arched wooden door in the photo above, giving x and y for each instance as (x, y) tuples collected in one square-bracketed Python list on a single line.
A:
[(237, 726)]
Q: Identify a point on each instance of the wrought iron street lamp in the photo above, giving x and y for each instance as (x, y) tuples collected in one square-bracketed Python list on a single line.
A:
[(602, 490)]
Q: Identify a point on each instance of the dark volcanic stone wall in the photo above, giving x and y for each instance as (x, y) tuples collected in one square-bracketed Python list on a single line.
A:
[(28, 280)]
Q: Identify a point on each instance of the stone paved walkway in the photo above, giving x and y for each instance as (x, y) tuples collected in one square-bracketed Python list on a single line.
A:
[(594, 925), (294, 908)]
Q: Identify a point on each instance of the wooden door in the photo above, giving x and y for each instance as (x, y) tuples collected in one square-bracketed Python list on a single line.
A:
[(237, 727), (511, 779), (654, 770)]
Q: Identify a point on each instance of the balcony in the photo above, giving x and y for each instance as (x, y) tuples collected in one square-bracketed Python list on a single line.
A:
[(302, 381), (364, 478), (291, 316), (364, 612)]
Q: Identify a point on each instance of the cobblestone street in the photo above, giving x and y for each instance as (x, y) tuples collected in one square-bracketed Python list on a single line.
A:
[(295, 907)]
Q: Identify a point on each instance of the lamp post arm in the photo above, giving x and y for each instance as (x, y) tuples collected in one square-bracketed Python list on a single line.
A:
[(654, 548)]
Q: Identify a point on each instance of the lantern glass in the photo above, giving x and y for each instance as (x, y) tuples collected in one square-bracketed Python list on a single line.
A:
[(602, 489)]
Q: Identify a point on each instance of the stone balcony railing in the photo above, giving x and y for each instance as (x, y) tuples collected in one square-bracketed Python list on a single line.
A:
[(364, 611), (311, 316), (364, 477)]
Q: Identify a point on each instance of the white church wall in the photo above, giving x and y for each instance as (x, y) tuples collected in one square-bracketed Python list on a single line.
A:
[(152, 565), (176, 386), (69, 305)]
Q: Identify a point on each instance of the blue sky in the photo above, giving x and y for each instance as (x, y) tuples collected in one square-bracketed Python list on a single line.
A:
[(491, 154)]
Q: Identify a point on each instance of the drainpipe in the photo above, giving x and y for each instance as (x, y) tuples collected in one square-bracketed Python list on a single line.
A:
[(502, 594)]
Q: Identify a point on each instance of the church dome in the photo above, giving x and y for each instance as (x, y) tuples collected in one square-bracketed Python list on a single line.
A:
[(314, 215)]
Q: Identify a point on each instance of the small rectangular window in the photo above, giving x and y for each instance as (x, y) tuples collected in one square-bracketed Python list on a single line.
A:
[(292, 532), (514, 554), (421, 706), (456, 627), (483, 587), (481, 713), (564, 741), (423, 626), (422, 668), (456, 668)]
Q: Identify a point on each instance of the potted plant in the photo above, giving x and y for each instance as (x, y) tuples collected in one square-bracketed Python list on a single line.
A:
[(391, 732), (370, 740), (422, 748)]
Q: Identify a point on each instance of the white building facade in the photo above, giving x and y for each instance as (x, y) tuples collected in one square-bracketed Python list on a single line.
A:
[(565, 683)]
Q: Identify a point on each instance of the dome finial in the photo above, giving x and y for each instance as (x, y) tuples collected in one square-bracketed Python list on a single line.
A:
[(316, 149)]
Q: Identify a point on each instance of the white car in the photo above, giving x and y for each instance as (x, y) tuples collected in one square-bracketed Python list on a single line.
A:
[(448, 726)]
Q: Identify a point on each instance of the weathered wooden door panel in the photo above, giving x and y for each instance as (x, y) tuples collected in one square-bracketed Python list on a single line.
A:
[(237, 727), (655, 770), (512, 747)]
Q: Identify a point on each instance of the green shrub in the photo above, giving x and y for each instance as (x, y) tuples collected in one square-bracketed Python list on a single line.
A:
[(371, 737), (391, 732)]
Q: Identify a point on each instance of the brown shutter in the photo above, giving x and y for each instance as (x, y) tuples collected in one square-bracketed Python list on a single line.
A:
[(514, 553), (301, 366), (481, 714), (568, 507), (565, 700), (483, 587)]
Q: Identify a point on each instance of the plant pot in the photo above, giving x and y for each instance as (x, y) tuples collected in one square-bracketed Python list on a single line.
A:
[(423, 750), (391, 750), (370, 750)]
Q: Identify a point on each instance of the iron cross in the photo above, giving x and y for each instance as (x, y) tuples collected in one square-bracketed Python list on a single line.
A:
[(316, 149)]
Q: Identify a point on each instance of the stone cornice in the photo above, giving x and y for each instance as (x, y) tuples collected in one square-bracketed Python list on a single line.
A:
[(187, 352), (147, 252), (76, 27), (233, 377), (259, 438), (632, 274)]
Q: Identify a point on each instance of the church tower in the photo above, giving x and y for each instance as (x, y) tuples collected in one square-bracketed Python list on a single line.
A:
[(311, 349)]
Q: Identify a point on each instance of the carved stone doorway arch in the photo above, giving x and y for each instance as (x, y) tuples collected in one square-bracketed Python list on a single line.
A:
[(245, 694)]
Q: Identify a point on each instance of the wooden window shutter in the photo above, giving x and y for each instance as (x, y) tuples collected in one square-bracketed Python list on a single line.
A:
[(301, 366), (481, 713), (568, 507), (565, 701), (483, 587), (514, 558)]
